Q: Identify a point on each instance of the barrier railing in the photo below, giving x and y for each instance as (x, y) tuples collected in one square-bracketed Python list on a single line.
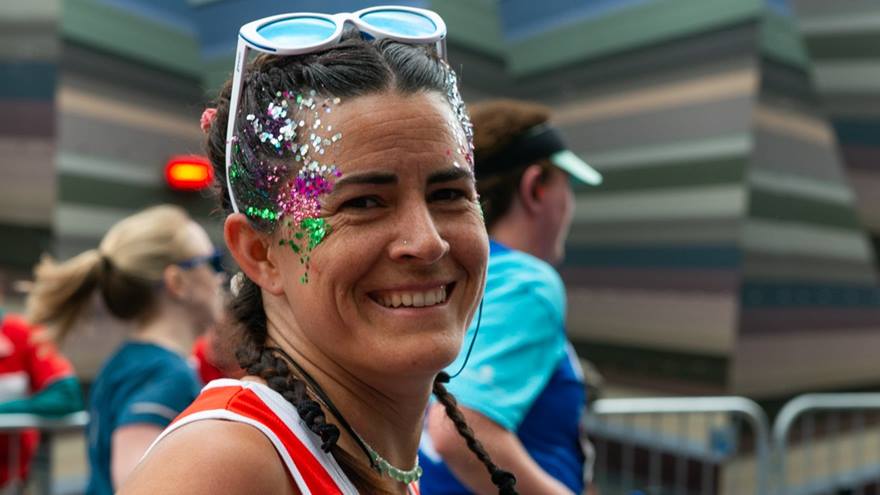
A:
[(820, 443), (41, 473), (828, 443), (682, 446)]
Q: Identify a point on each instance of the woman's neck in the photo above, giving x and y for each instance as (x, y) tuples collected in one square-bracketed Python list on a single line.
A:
[(386, 412)]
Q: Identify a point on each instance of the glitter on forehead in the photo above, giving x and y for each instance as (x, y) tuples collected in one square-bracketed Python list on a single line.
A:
[(465, 142), (290, 181)]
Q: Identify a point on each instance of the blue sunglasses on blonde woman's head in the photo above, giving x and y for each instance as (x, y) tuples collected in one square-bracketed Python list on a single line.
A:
[(301, 33)]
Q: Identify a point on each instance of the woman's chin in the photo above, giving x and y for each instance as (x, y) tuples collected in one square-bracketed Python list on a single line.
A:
[(423, 357)]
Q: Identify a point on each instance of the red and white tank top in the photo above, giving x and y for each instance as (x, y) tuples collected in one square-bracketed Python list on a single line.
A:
[(312, 470)]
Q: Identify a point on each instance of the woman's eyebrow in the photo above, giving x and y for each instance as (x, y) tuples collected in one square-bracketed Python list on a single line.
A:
[(375, 178), (450, 174)]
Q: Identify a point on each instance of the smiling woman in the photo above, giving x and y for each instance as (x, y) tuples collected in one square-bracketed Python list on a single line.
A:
[(354, 217)]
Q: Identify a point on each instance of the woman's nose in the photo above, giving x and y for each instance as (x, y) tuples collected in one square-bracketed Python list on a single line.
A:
[(418, 238)]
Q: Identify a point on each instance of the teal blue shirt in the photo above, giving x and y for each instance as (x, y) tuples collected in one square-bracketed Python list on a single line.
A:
[(521, 339), (522, 372), (140, 383)]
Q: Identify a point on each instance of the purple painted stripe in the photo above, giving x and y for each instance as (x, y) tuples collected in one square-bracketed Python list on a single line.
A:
[(765, 321), (862, 157), (27, 118), (692, 280)]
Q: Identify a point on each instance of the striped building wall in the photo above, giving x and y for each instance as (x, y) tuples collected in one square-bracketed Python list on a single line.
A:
[(723, 253), (843, 40), (29, 51), (809, 289), (129, 96), (654, 259)]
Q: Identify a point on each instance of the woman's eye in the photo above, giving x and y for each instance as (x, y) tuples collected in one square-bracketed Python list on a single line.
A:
[(447, 195), (362, 202)]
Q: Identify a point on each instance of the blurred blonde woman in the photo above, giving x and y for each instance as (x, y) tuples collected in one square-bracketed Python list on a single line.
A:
[(159, 270)]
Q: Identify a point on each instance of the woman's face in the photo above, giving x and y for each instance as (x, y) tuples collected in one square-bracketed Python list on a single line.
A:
[(395, 283)]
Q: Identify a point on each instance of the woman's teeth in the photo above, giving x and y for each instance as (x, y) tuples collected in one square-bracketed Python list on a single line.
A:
[(413, 299)]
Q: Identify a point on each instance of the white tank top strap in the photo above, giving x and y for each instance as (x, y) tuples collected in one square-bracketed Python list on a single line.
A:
[(311, 469)]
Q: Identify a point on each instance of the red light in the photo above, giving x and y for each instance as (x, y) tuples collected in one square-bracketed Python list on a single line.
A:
[(189, 173)]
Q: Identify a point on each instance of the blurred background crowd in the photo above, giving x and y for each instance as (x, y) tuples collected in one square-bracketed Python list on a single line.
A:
[(730, 250)]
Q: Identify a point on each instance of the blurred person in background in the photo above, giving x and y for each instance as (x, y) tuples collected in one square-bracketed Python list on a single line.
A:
[(158, 269), (522, 390), (34, 379), (213, 353), (353, 214)]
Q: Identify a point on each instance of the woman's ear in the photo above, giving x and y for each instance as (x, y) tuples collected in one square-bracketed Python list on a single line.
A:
[(172, 279), (531, 190), (250, 249)]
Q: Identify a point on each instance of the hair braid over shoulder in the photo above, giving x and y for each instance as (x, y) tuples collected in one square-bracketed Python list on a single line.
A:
[(504, 480)]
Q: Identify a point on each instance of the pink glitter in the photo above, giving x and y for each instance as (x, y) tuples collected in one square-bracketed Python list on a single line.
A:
[(299, 205)]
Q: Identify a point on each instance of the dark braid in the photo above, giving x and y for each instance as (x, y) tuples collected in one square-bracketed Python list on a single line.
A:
[(257, 360), (504, 480)]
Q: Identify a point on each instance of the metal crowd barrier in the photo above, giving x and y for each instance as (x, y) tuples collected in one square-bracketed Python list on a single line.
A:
[(828, 443), (679, 446), (41, 473)]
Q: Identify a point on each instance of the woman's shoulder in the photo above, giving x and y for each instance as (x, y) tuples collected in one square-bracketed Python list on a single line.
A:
[(211, 456)]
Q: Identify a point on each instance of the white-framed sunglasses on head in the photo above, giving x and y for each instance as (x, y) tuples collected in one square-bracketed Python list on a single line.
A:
[(302, 33)]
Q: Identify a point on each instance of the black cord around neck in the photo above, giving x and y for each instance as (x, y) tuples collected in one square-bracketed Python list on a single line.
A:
[(471, 345), (326, 400)]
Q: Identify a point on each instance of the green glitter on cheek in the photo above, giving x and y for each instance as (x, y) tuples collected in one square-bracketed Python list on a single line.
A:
[(308, 235), (316, 229)]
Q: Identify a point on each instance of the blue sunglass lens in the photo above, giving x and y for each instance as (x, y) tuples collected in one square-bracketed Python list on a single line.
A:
[(400, 22), (298, 31), (216, 262)]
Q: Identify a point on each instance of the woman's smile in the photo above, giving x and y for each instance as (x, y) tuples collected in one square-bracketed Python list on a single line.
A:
[(423, 296)]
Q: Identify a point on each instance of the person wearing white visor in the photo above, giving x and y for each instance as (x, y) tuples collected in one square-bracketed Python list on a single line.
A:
[(522, 388)]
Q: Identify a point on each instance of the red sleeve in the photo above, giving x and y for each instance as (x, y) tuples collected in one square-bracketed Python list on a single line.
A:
[(41, 359), (207, 371)]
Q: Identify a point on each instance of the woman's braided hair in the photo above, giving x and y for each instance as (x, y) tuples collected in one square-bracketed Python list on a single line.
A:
[(352, 68)]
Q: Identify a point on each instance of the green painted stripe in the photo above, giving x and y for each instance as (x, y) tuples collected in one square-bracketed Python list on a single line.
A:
[(804, 239), (117, 31), (82, 190), (781, 40), (652, 363), (24, 245), (473, 23), (854, 78), (791, 184), (720, 171), (848, 46), (789, 208), (670, 204), (636, 156), (628, 29)]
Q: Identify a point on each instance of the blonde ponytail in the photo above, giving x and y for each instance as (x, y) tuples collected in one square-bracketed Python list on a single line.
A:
[(127, 270), (62, 290)]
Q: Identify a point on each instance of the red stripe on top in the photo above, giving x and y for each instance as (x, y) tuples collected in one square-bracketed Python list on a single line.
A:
[(245, 402)]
